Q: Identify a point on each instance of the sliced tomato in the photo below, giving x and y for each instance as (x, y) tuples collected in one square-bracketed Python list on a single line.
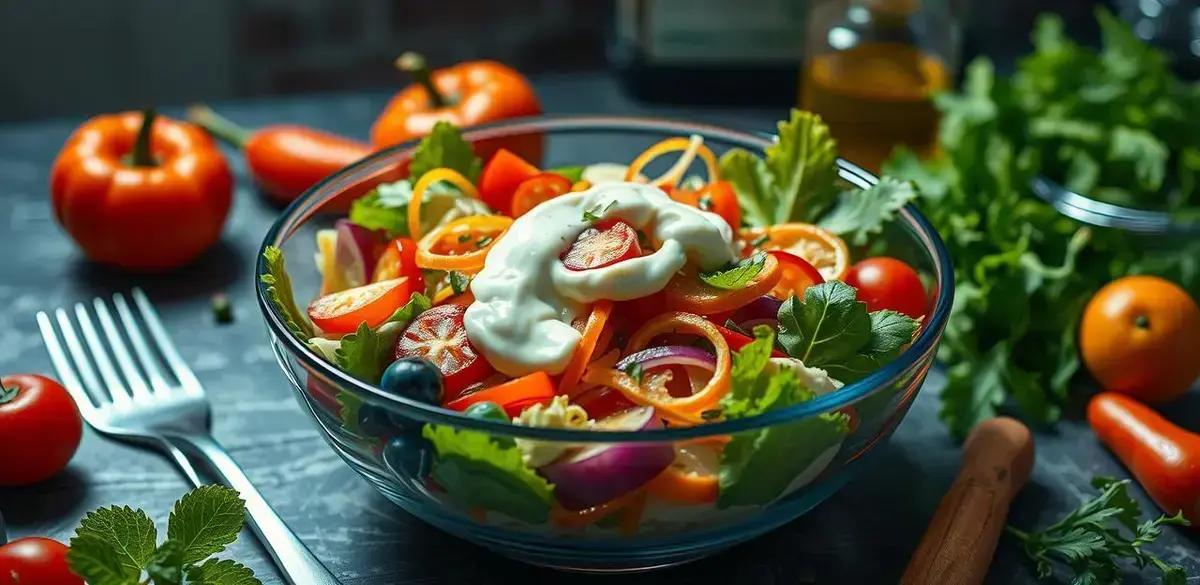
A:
[(399, 258), (341, 312), (602, 401), (536, 190), (500, 178), (513, 396), (737, 341), (438, 335), (686, 292), (603, 245), (797, 275)]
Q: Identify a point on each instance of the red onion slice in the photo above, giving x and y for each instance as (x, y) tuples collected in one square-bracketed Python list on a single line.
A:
[(761, 311), (670, 355), (600, 473), (354, 255)]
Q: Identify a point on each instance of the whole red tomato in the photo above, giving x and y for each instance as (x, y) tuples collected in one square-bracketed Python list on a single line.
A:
[(887, 283), (40, 429), (35, 561)]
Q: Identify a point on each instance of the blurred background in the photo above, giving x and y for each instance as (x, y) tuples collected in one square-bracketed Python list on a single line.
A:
[(73, 57)]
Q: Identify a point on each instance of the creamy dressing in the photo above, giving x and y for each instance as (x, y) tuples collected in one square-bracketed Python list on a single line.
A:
[(526, 299)]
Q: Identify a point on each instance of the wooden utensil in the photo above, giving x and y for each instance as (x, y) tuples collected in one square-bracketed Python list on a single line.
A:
[(958, 544)]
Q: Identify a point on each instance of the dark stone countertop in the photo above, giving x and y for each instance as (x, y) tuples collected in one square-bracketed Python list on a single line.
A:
[(864, 534)]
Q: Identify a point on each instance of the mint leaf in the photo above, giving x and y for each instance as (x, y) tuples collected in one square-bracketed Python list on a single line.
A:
[(890, 332), (226, 572), (795, 180), (478, 472), (98, 562), (129, 532), (862, 213), (738, 276), (444, 147), (279, 291), (206, 520), (829, 325), (166, 566)]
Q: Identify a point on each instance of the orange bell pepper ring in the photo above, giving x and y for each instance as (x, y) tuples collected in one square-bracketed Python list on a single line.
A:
[(140, 192), (466, 94)]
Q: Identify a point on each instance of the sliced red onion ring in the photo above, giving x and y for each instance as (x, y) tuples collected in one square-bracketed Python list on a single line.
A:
[(761, 311), (600, 473), (670, 355), (354, 255)]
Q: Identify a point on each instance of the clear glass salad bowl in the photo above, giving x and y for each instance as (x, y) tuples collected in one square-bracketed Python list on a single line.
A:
[(381, 435)]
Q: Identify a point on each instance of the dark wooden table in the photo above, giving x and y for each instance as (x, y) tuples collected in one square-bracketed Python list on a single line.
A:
[(864, 534)]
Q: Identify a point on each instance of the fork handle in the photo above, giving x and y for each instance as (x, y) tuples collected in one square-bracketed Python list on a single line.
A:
[(294, 560)]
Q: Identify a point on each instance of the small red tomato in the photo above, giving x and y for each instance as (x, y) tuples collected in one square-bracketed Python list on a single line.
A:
[(341, 312), (399, 258), (40, 429), (887, 283), (537, 190), (439, 336), (603, 245), (36, 561)]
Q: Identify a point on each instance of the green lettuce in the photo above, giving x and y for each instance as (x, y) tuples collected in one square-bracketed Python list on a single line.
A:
[(479, 472)]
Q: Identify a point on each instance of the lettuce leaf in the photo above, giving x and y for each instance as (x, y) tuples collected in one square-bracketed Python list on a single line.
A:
[(279, 291), (478, 472), (862, 213)]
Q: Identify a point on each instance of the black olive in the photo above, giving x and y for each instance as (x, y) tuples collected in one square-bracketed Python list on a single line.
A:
[(408, 455), (413, 378)]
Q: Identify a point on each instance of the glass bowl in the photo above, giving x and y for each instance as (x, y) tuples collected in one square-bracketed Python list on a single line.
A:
[(381, 435)]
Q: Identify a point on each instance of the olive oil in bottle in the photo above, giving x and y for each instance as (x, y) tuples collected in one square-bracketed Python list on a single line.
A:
[(872, 67)]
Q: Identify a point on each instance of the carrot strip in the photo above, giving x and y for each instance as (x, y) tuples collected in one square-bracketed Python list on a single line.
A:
[(673, 145), (587, 346), (492, 225), (418, 195), (579, 518)]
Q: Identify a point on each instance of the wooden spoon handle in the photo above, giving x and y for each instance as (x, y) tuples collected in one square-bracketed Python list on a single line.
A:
[(958, 544)]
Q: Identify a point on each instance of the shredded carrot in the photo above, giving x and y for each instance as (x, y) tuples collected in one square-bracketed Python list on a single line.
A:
[(587, 346), (493, 226), (693, 145), (681, 410), (418, 195)]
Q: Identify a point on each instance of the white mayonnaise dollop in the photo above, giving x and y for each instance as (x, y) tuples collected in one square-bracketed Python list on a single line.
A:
[(525, 299)]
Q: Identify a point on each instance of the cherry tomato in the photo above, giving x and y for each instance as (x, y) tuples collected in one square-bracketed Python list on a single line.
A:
[(602, 401), (341, 312), (887, 283), (603, 245), (36, 561), (399, 258), (438, 336), (686, 292), (1139, 336), (537, 190), (40, 429), (797, 275), (513, 396), (500, 178)]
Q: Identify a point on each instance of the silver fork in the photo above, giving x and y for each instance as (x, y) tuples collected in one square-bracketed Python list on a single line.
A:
[(143, 404)]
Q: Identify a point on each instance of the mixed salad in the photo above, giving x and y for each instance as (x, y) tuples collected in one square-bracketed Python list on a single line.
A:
[(597, 298)]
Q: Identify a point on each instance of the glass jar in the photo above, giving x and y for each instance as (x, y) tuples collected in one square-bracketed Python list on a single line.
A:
[(871, 69)]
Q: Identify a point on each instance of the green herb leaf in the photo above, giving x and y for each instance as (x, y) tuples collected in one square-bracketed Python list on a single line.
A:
[(573, 174), (477, 471), (98, 562), (634, 370), (738, 276), (444, 147), (205, 521), (1093, 539), (596, 213), (214, 572), (386, 207), (362, 354), (166, 566), (458, 282), (748, 382), (829, 325), (279, 291), (862, 213), (222, 309), (129, 532), (795, 181)]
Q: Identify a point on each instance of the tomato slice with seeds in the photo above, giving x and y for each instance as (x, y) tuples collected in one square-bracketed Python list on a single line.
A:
[(439, 336), (603, 245), (797, 275), (501, 177), (341, 312), (537, 190)]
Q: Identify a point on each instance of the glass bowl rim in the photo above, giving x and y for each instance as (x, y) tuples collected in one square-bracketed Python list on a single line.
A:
[(307, 203)]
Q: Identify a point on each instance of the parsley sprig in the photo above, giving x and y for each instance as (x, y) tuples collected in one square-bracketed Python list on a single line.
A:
[(736, 276), (119, 545), (1091, 542), (597, 212)]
